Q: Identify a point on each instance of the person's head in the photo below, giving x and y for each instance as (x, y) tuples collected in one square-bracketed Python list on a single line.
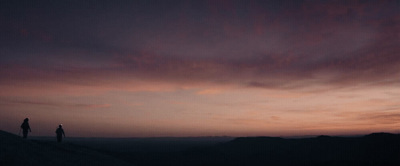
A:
[(60, 126), (26, 119)]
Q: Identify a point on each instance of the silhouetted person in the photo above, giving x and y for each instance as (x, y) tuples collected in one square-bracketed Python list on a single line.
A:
[(60, 133), (25, 128)]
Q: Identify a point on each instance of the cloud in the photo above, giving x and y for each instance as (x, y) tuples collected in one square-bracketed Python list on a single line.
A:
[(382, 117), (296, 45), (52, 104)]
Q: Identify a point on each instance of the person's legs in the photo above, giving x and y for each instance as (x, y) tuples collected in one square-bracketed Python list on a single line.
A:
[(59, 138), (25, 134)]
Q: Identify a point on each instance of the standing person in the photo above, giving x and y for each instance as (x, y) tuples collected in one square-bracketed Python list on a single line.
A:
[(25, 128), (60, 133)]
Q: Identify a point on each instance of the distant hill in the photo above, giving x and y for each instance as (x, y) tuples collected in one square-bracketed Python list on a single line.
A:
[(15, 151), (378, 149)]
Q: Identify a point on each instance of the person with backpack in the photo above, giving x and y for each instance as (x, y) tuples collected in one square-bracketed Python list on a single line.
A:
[(60, 133), (25, 128)]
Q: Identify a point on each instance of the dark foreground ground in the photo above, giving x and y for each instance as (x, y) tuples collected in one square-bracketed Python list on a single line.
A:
[(378, 149)]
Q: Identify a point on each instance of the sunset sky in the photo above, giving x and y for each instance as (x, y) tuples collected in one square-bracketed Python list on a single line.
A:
[(156, 68)]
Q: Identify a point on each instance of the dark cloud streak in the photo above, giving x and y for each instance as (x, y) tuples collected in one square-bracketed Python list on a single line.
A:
[(50, 103)]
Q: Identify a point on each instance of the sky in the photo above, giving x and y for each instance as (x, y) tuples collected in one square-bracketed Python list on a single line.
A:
[(179, 68)]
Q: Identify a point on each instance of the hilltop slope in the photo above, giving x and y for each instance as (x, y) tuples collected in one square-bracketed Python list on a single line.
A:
[(381, 149), (15, 151)]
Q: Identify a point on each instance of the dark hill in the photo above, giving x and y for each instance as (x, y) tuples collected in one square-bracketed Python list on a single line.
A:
[(377, 149), (15, 151), (374, 149)]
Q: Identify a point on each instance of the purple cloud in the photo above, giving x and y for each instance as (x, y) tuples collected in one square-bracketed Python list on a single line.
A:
[(256, 44)]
